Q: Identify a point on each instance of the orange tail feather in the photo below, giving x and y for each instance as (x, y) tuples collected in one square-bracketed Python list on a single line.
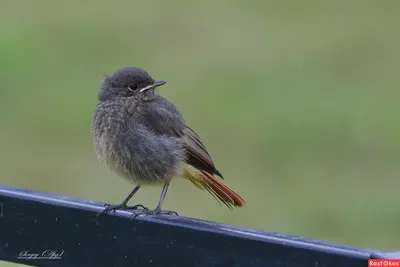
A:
[(221, 191), (218, 190)]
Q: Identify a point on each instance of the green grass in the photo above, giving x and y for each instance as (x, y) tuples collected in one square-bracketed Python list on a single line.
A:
[(297, 104)]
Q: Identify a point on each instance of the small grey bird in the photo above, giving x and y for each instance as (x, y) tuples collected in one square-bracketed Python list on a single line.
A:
[(143, 137)]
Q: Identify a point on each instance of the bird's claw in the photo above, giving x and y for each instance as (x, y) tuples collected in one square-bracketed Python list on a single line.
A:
[(153, 212), (108, 208), (136, 207)]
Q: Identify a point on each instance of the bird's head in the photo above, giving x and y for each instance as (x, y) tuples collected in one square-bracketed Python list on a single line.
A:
[(130, 82)]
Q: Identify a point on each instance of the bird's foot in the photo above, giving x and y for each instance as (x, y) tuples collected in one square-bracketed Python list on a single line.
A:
[(136, 207), (109, 208), (153, 212)]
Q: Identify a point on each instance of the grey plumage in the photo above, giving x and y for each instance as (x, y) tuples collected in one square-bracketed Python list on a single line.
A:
[(143, 137), (127, 142)]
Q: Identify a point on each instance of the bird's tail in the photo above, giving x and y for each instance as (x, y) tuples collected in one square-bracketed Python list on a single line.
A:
[(218, 190)]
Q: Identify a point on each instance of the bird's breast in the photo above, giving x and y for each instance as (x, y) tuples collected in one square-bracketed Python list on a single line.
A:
[(131, 150)]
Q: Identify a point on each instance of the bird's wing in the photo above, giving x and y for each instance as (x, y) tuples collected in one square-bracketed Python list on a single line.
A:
[(197, 152), (163, 118)]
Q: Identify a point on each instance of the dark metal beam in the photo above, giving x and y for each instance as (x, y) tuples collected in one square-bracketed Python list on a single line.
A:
[(33, 223)]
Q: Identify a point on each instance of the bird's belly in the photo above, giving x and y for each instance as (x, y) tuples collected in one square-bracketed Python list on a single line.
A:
[(139, 165)]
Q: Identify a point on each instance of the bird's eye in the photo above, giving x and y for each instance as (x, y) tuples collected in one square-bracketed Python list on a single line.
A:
[(133, 87)]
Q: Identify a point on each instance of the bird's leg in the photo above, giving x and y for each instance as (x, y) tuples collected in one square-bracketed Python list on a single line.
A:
[(123, 205), (158, 210)]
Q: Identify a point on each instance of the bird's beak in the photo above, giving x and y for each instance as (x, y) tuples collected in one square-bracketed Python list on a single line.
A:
[(159, 83), (153, 86)]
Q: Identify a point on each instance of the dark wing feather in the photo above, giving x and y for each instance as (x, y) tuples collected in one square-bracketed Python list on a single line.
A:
[(197, 152), (162, 117)]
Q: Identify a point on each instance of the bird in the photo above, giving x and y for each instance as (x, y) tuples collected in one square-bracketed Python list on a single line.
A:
[(144, 138)]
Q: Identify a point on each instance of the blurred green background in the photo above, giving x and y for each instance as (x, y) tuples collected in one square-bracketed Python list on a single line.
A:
[(297, 103)]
